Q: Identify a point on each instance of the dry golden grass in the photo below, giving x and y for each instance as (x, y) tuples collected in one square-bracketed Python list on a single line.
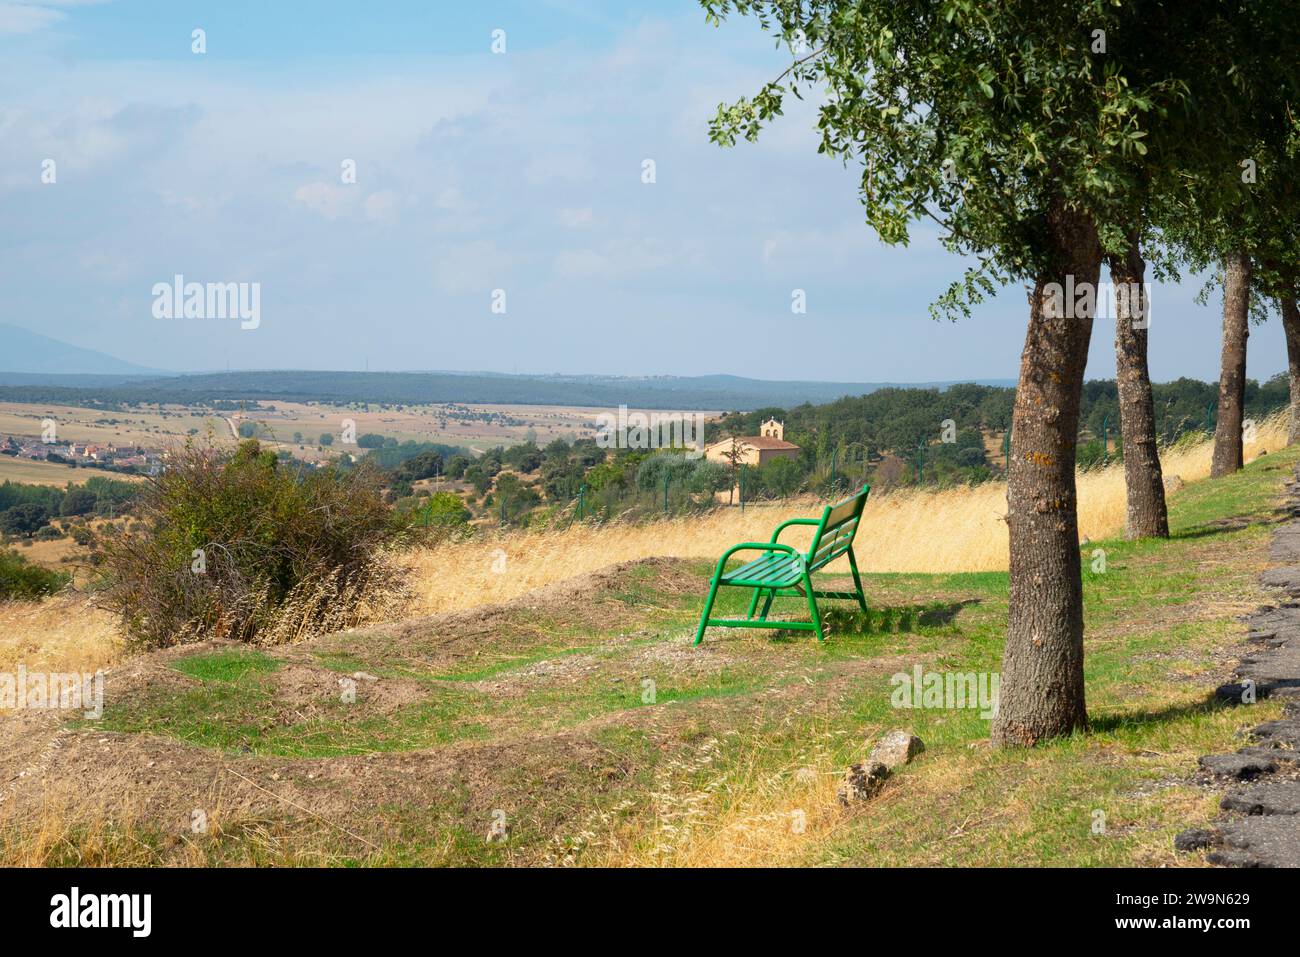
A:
[(60, 634), (948, 530), (957, 529)]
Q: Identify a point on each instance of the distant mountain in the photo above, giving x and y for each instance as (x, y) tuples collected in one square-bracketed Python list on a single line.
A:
[(30, 353), (716, 392)]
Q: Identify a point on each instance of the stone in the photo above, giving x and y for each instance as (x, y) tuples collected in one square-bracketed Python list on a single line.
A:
[(1195, 839), (1285, 577), (1234, 693), (1240, 766), (1267, 797), (861, 782), (1259, 841), (1173, 483), (895, 749), (1279, 734)]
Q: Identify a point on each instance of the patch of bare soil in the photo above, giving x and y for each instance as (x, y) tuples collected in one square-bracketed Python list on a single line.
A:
[(603, 601), (306, 690)]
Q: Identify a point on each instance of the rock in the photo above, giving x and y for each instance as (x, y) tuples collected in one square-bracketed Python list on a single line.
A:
[(1286, 578), (1279, 734), (1268, 797), (1173, 483), (1241, 766), (895, 749), (1234, 693), (861, 782), (1259, 841), (364, 676), (1195, 839)]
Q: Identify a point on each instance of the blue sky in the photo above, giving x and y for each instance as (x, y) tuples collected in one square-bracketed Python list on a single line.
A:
[(475, 171)]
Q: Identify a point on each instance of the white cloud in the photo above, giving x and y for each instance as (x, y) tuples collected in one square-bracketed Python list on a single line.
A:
[(468, 268), (381, 206), (32, 16), (322, 198), (575, 218)]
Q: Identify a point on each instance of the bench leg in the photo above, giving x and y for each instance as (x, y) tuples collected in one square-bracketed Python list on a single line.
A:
[(812, 606), (771, 593), (857, 580), (753, 603), (708, 604)]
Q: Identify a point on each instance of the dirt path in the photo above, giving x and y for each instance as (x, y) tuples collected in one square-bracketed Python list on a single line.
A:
[(1262, 824)]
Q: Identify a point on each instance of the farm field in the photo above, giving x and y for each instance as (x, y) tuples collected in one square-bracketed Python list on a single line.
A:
[(578, 718), (476, 427), (35, 472)]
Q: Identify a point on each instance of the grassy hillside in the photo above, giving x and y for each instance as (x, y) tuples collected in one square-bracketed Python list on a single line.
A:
[(580, 718)]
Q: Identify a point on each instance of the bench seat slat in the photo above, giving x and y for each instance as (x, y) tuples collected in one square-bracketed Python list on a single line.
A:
[(774, 570)]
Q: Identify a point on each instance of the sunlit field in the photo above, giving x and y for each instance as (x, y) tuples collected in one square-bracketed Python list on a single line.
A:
[(959, 529), (938, 531)]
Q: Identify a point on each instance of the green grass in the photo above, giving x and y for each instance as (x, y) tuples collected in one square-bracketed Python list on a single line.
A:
[(553, 720), (228, 666)]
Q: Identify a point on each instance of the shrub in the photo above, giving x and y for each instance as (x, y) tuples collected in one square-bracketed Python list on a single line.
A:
[(23, 519), (443, 512), (82, 535), (20, 579), (78, 501), (238, 546)]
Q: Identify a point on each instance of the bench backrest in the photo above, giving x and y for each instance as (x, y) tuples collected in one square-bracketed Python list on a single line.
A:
[(835, 532)]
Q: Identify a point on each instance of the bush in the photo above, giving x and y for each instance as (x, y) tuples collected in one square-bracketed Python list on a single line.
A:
[(78, 501), (443, 510), (23, 519), (236, 546), (19, 579)]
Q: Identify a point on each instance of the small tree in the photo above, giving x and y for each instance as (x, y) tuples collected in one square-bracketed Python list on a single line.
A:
[(24, 520), (781, 476), (234, 546), (734, 456)]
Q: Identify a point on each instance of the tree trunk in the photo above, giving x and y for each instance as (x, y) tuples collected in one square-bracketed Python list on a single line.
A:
[(1291, 324), (1232, 374), (1042, 693), (1143, 480)]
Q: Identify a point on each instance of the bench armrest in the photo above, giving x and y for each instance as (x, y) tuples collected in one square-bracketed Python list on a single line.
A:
[(794, 521), (757, 547)]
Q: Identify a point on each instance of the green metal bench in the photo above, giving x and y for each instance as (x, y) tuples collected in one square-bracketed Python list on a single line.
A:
[(783, 571)]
